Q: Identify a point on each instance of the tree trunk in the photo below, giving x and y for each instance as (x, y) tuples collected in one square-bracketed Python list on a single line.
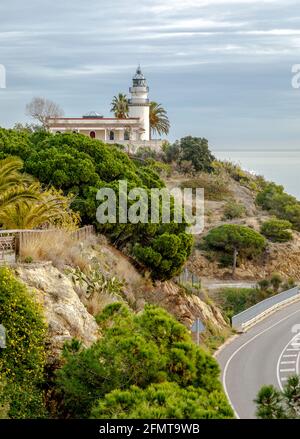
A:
[(235, 253)]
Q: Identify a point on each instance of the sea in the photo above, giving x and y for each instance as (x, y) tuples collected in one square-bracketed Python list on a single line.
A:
[(282, 167)]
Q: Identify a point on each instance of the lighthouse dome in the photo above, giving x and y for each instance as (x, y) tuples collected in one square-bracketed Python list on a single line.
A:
[(139, 79)]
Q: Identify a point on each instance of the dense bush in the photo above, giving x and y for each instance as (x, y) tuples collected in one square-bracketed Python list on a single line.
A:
[(277, 230), (166, 254), (137, 350), (81, 166), (162, 401), (234, 209), (22, 362), (279, 203)]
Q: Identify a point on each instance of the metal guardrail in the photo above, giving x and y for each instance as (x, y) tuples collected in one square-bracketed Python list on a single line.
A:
[(255, 312)]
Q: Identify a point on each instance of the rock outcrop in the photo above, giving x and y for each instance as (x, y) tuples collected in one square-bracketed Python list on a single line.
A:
[(65, 314)]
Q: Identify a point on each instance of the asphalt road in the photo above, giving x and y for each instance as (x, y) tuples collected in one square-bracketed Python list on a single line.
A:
[(267, 354)]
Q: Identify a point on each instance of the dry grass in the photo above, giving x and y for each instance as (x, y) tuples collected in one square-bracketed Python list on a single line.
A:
[(216, 187), (97, 302), (58, 247)]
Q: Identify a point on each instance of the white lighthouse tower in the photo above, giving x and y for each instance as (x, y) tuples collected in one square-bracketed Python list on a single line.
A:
[(139, 103)]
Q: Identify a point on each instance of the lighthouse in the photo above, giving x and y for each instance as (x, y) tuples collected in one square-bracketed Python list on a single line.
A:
[(139, 106)]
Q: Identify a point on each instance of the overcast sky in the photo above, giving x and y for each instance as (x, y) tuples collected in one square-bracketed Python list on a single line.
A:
[(222, 68)]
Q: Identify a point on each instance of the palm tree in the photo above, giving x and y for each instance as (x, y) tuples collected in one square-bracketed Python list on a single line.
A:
[(51, 208), (159, 121), (119, 106), (15, 186)]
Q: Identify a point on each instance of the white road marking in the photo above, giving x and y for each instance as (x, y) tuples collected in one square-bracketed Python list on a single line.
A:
[(285, 349), (288, 362), (242, 347), (290, 356)]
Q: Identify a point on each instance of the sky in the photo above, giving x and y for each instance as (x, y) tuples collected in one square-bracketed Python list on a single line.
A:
[(221, 68)]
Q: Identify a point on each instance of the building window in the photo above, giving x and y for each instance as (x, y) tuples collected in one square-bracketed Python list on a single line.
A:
[(111, 135), (126, 135), (92, 135)]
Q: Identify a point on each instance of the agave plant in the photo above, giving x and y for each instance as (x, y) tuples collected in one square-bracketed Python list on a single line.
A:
[(95, 282)]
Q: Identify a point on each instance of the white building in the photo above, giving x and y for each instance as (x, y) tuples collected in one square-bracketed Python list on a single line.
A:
[(134, 131)]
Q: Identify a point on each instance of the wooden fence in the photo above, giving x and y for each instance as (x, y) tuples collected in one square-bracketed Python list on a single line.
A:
[(12, 241)]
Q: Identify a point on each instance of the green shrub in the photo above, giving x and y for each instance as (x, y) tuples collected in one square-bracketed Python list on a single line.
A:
[(162, 401), (235, 300), (276, 281), (160, 168), (4, 400), (135, 350), (166, 254), (172, 152), (279, 203), (277, 230), (233, 210), (22, 362), (255, 183), (263, 284)]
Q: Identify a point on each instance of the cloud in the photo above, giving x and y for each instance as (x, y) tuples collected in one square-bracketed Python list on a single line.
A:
[(210, 62)]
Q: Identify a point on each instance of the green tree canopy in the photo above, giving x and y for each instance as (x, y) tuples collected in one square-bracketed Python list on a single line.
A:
[(274, 404), (138, 350), (236, 240), (162, 401), (196, 150), (80, 166)]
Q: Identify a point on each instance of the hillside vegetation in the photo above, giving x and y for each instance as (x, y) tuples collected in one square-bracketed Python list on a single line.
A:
[(87, 338), (80, 166)]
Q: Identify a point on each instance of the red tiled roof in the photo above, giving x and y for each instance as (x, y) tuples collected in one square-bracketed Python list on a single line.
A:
[(92, 118)]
